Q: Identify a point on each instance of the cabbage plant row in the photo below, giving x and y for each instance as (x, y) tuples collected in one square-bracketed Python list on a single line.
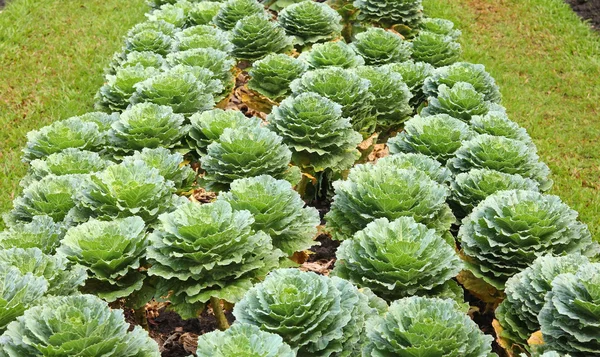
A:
[(276, 107)]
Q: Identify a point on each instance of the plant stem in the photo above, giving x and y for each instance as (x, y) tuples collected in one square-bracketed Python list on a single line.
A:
[(222, 322), (140, 317)]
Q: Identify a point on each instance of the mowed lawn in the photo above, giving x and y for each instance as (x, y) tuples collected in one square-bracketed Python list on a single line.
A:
[(52, 56), (547, 63)]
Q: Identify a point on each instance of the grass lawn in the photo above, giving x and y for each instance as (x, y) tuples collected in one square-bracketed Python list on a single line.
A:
[(547, 63), (52, 55)]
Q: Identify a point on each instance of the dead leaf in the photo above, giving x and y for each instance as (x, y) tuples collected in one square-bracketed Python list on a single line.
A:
[(480, 289), (535, 339), (322, 267)]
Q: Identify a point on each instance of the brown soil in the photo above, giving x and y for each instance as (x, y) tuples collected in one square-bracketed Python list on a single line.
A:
[(587, 10)]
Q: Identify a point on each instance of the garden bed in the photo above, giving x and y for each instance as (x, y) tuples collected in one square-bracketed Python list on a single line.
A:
[(589, 10)]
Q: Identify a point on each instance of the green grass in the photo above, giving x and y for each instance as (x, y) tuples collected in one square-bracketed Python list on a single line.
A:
[(52, 55), (547, 63)]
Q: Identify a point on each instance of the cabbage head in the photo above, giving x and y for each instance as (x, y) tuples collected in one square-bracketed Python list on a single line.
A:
[(508, 230), (185, 89), (52, 196), (242, 340), (420, 326), (157, 25), (313, 128), (391, 97), (208, 250), (525, 293), (414, 75), (497, 124), (331, 54), (439, 26), (378, 46), (243, 152), (234, 10), (128, 189), (569, 318), (310, 22), (208, 126), (169, 165), (115, 94), (272, 75), (203, 36), (174, 14), (435, 49), (202, 12), (386, 191), (391, 12), (18, 291), (144, 58), (42, 232), (438, 136), (469, 188), (346, 88), (501, 154), (65, 134), (254, 37), (111, 252), (424, 163), (147, 125), (474, 74), (277, 209), (150, 40), (81, 325), (314, 314), (461, 101), (398, 259)]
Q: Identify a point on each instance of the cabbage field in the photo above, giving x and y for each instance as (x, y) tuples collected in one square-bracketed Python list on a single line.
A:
[(293, 178)]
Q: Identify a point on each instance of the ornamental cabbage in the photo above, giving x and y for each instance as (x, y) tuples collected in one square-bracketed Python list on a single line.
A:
[(310, 22), (414, 75), (208, 126), (334, 53), (438, 136), (149, 40), (61, 278), (81, 325), (474, 74), (346, 88), (18, 291), (243, 152), (469, 188), (497, 124), (242, 340), (174, 14), (525, 292), (52, 196), (569, 318), (132, 59), (103, 120), (147, 125), (115, 94), (254, 37), (203, 36), (160, 25), (58, 136), (461, 101), (218, 62), (397, 259), (314, 314), (424, 163), (170, 165), (185, 89), (439, 26), (277, 209), (437, 50), (203, 12), (420, 326), (42, 232), (501, 154), (313, 128), (391, 12), (391, 96), (234, 10), (128, 189), (67, 162), (378, 46), (208, 250), (272, 75), (385, 191), (507, 231), (111, 253)]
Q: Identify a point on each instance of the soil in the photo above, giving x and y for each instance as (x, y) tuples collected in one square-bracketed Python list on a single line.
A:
[(587, 10), (2, 4)]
